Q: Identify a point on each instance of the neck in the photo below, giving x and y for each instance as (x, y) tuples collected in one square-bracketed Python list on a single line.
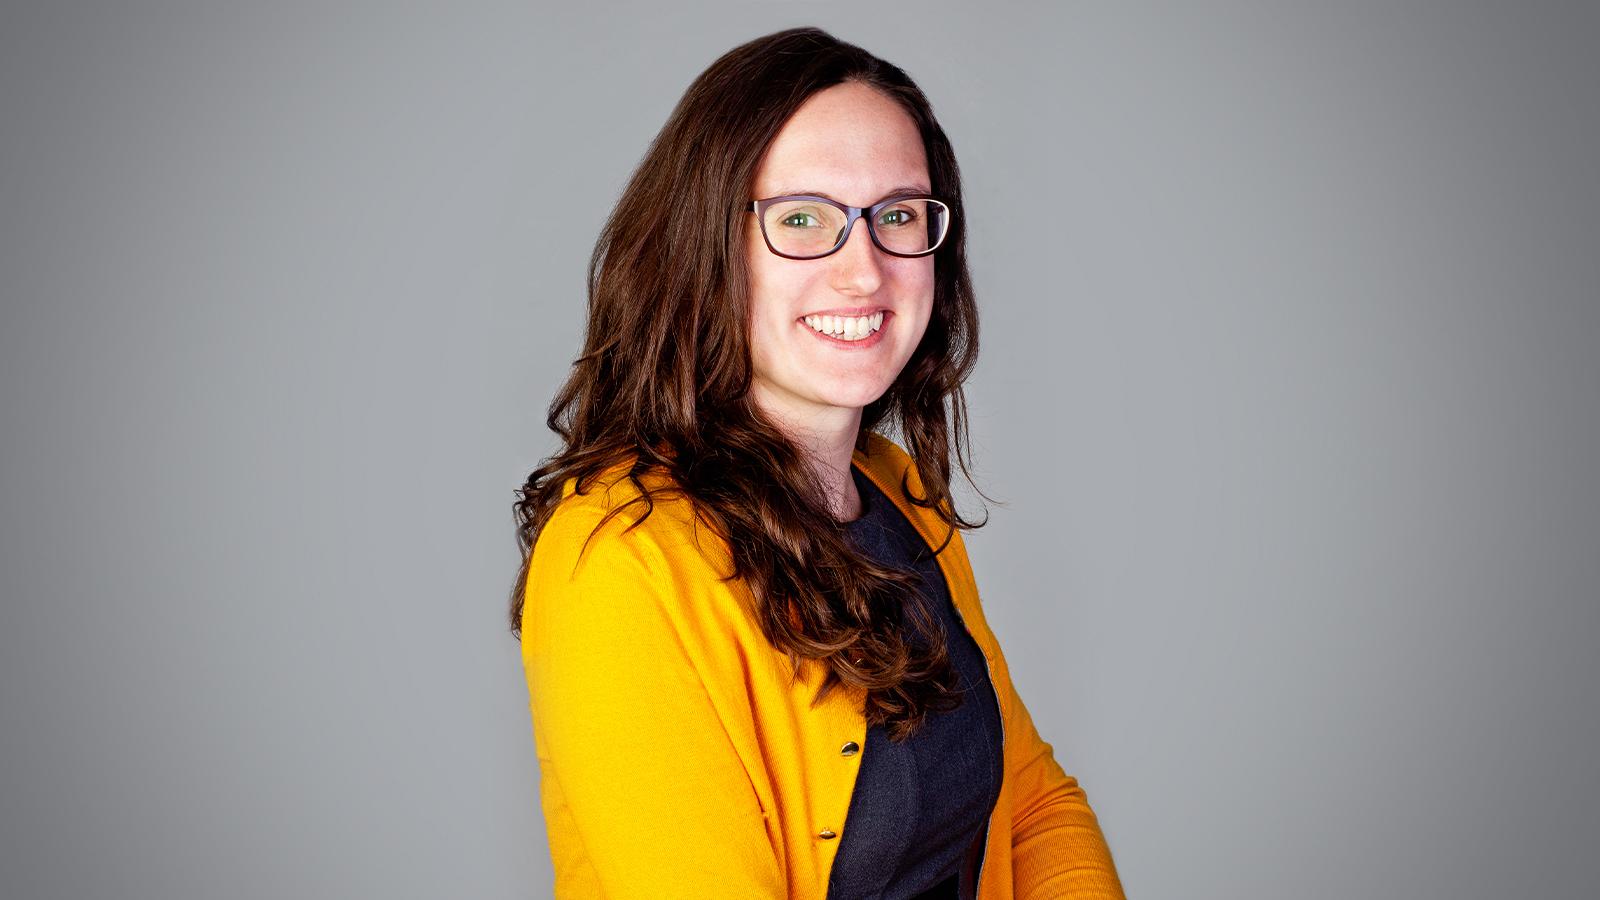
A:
[(828, 441)]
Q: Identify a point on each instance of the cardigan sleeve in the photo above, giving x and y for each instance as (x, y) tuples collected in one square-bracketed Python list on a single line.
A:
[(642, 790), (1057, 847)]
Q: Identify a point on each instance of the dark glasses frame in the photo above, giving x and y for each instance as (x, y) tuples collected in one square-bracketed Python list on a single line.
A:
[(852, 213)]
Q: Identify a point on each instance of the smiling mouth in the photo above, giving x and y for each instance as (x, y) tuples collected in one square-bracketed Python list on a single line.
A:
[(849, 329)]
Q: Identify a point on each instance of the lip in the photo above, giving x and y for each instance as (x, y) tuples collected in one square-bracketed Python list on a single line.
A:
[(852, 311), (865, 343)]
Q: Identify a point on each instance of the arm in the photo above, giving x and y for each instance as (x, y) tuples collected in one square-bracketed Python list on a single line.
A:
[(643, 793), (1057, 848)]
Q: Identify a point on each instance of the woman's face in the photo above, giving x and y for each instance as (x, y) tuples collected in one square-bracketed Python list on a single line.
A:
[(853, 144)]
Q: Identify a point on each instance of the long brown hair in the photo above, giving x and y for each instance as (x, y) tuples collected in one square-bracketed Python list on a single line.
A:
[(664, 380)]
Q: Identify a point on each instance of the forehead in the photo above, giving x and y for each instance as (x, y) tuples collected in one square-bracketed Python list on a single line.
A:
[(848, 141)]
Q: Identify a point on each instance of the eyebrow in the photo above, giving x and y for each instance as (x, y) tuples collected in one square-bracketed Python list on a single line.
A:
[(894, 191)]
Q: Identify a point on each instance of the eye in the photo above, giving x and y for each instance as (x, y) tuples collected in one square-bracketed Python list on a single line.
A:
[(897, 217), (793, 220)]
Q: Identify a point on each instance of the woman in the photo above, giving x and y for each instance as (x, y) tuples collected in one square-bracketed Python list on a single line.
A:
[(756, 659)]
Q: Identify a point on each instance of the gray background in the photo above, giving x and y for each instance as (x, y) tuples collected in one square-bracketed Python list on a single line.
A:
[(1289, 388)]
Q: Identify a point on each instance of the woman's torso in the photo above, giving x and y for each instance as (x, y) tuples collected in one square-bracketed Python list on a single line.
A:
[(918, 815)]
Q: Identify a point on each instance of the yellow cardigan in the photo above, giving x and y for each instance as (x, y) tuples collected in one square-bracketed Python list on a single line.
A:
[(677, 761)]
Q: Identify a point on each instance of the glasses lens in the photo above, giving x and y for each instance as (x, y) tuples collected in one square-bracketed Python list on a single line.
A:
[(803, 227), (912, 226), (810, 228)]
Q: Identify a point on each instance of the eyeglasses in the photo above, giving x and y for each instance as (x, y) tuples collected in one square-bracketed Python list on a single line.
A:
[(805, 226)]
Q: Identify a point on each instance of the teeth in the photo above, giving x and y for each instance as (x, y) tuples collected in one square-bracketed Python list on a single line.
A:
[(850, 328)]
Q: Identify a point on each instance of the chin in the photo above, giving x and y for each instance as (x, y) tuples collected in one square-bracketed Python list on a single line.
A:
[(854, 399)]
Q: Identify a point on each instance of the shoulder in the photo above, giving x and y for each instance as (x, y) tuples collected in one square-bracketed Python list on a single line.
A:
[(618, 537), (614, 507), (885, 457), (599, 578), (890, 464), (612, 578), (643, 523), (648, 509), (894, 470)]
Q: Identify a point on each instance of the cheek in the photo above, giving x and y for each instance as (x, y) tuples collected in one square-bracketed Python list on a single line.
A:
[(774, 288), (920, 284), (766, 298), (769, 302), (765, 278), (917, 281)]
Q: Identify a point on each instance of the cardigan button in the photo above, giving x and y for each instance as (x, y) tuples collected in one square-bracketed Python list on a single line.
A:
[(827, 834), (850, 748)]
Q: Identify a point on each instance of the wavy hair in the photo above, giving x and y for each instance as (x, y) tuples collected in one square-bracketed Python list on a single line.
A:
[(664, 380)]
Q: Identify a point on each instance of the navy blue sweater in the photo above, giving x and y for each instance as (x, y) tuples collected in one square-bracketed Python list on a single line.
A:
[(920, 810)]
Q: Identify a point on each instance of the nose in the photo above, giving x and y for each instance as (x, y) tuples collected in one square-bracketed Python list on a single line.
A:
[(857, 266)]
